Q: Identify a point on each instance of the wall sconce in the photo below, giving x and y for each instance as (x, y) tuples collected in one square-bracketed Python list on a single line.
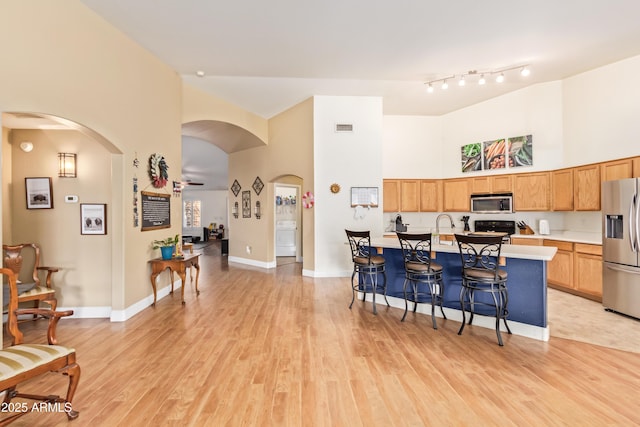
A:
[(234, 210), (67, 165), (257, 211), (26, 146)]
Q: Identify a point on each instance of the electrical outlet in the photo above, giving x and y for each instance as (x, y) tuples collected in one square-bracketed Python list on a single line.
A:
[(248, 249)]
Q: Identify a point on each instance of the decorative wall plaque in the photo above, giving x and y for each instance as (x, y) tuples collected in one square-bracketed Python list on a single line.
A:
[(258, 185), (236, 187)]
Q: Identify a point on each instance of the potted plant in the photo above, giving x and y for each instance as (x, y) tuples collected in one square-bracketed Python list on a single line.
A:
[(167, 246)]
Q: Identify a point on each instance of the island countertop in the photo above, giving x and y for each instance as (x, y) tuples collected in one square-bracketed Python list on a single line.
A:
[(538, 253)]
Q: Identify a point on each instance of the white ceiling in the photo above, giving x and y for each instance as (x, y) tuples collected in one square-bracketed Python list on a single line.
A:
[(266, 56)]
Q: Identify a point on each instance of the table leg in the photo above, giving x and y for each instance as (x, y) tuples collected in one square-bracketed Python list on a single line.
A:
[(197, 266), (183, 277), (153, 285)]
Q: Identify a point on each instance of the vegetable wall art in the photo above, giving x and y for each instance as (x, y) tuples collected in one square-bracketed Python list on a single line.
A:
[(502, 153)]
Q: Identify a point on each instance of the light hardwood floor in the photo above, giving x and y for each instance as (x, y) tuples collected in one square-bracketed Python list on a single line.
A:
[(273, 348)]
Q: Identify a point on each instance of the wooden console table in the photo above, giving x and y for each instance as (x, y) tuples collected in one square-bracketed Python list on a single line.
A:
[(180, 266)]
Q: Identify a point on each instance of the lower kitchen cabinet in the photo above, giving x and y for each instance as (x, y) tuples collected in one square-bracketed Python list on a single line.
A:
[(576, 268)]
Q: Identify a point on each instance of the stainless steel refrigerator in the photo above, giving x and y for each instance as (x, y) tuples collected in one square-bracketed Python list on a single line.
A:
[(621, 246)]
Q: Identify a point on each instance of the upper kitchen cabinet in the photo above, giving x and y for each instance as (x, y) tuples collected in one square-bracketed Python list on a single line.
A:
[(531, 191), (391, 195), (455, 195), (409, 195), (491, 184), (636, 167), (430, 195), (562, 190), (618, 169), (586, 188)]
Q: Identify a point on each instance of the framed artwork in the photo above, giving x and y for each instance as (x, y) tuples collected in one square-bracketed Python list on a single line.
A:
[(235, 187), (93, 218), (246, 204), (520, 151), (494, 154), (39, 193), (258, 185), (364, 196)]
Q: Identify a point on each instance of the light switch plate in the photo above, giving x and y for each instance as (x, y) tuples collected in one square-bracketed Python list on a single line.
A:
[(71, 199)]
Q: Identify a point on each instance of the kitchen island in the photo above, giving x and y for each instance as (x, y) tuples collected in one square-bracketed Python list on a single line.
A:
[(527, 284)]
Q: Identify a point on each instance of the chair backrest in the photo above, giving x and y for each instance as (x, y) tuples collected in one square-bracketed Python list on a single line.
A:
[(480, 252), (12, 317), (24, 254), (360, 243), (416, 248)]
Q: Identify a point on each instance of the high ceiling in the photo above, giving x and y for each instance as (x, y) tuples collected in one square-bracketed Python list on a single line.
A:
[(266, 56)]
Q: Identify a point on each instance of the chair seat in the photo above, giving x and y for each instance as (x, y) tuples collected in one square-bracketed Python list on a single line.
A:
[(481, 274), (375, 260), (22, 288), (418, 267), (21, 358)]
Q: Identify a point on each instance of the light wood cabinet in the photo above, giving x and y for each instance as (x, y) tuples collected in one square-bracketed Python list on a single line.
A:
[(479, 185), (531, 191), (455, 195), (391, 195), (430, 195), (526, 241), (562, 190), (409, 195), (588, 270), (636, 167), (586, 188), (618, 169), (501, 184), (560, 268)]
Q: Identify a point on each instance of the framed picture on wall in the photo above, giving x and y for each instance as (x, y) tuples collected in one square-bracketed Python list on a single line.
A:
[(39, 193), (246, 204), (93, 217)]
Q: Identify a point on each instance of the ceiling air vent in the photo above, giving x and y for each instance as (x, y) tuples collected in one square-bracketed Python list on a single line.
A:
[(344, 127)]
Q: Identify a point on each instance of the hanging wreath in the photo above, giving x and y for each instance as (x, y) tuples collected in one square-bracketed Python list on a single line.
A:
[(307, 200), (158, 170)]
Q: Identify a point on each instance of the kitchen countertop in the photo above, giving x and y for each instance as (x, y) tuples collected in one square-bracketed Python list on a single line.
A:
[(540, 253), (567, 236)]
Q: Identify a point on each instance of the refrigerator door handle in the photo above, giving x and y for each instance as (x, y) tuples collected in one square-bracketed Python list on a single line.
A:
[(625, 269), (633, 225), (637, 218)]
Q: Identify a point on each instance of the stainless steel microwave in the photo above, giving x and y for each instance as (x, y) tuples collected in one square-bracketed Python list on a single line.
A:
[(492, 203)]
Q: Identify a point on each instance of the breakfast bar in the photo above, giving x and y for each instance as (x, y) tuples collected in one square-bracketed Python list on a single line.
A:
[(527, 283)]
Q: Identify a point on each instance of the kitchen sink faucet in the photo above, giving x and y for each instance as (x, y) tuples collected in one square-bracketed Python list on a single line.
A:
[(438, 222)]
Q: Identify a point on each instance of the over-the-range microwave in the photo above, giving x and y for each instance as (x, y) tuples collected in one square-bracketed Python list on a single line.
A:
[(492, 203)]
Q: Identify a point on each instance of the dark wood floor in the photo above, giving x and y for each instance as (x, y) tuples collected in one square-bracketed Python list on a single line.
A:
[(267, 348)]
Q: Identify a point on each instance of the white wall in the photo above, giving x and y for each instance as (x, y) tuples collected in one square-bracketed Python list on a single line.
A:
[(350, 160), (214, 209)]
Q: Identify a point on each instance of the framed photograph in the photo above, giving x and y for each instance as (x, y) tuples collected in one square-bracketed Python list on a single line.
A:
[(93, 217), (364, 196), (246, 204), (39, 193)]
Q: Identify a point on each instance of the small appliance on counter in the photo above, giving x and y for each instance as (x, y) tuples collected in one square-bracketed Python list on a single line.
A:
[(543, 227), (399, 225)]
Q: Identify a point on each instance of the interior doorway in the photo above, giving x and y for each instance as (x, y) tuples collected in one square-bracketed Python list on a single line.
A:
[(288, 224)]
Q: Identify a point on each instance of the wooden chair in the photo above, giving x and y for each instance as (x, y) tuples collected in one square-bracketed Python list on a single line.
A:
[(21, 362), (30, 288)]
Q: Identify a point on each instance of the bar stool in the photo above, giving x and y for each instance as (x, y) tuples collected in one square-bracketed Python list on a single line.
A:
[(481, 275), (366, 265), (423, 274)]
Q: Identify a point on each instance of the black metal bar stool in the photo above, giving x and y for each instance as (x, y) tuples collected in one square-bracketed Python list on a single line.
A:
[(422, 274), (481, 275), (366, 265)]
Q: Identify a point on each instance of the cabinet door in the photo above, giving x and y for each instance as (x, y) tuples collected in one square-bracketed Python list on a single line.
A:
[(526, 241), (455, 194), (531, 191), (480, 184), (588, 270), (636, 167), (501, 184), (430, 195), (560, 268), (586, 180), (391, 195), (562, 190), (619, 169), (409, 195)]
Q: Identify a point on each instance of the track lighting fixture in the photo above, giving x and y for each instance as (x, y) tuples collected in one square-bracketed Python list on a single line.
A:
[(479, 76)]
